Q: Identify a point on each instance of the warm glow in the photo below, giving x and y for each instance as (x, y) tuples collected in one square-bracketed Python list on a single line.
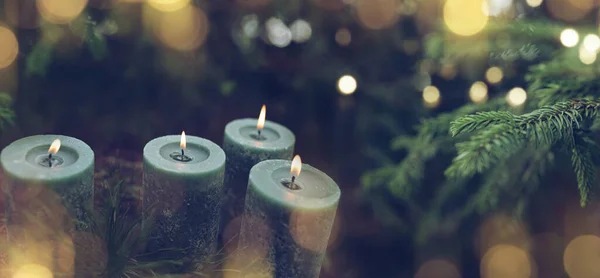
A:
[(33, 271), (516, 96), (585, 56), (534, 3), (54, 147), (182, 141), (261, 118), (296, 166), (581, 258), (185, 29), (9, 48), (591, 43), (478, 92), (569, 37), (438, 268), (465, 17), (494, 75), (168, 5), (376, 14), (343, 37), (504, 260), (347, 85), (61, 12), (431, 96), (569, 10)]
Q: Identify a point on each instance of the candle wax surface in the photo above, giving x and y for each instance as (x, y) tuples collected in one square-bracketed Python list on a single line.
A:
[(316, 189), (205, 155), (273, 136)]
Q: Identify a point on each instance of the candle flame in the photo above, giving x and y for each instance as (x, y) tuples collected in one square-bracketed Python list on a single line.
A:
[(261, 117), (182, 142), (296, 166), (54, 147)]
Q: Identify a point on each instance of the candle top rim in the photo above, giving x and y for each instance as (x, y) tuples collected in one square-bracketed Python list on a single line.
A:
[(214, 161), (263, 171), (14, 162), (286, 136)]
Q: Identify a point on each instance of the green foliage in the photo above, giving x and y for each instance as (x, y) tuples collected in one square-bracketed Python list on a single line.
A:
[(7, 115)]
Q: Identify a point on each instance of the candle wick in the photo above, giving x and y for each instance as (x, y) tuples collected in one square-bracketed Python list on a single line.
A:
[(182, 153), (259, 131), (50, 160)]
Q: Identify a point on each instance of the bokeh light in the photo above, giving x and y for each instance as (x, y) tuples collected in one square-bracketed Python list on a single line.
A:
[(438, 268), (168, 5), (478, 92), (501, 229), (569, 10), (278, 33), (448, 71), (301, 31), (9, 47), (343, 37), (33, 271), (431, 96), (534, 3), (307, 229), (506, 261), (517, 96), (183, 30), (347, 85), (582, 258), (494, 75), (569, 37), (465, 17), (591, 43), (376, 14), (585, 56), (496, 7), (60, 12)]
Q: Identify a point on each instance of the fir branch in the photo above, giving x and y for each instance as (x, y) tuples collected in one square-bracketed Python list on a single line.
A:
[(585, 170), (480, 120)]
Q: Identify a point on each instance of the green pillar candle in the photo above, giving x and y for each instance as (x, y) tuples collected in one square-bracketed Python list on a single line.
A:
[(182, 191), (244, 148), (287, 221)]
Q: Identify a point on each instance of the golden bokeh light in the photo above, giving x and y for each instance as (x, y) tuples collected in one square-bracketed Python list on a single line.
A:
[(33, 271), (516, 96), (9, 48), (478, 92), (347, 85), (569, 37), (591, 42), (501, 229), (60, 11), (376, 14), (581, 258), (569, 10), (168, 5), (343, 37), (587, 57), (431, 96), (438, 268), (507, 261), (494, 75), (534, 3), (183, 30), (448, 71), (465, 17)]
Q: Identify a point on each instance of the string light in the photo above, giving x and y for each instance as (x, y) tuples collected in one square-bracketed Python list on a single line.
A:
[(478, 92), (9, 48), (431, 96), (585, 56), (591, 43), (347, 85), (569, 37), (516, 97), (465, 17), (301, 31), (343, 37), (494, 75)]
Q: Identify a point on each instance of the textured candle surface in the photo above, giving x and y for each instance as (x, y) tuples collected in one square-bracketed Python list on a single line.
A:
[(34, 187), (182, 200), (244, 149), (285, 231)]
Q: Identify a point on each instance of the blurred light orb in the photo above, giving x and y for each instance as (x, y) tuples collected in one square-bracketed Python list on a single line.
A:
[(591, 43), (478, 92), (431, 96), (581, 257), (494, 75), (569, 37), (438, 268), (517, 96), (496, 7), (569, 10), (301, 31), (9, 47), (377, 14), (168, 5), (585, 56), (278, 33), (183, 30), (534, 3), (347, 85), (465, 17), (506, 261), (60, 11), (250, 26), (343, 36), (448, 71), (33, 271)]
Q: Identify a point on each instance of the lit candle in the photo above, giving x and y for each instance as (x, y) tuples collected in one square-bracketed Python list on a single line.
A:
[(182, 191), (247, 142), (287, 220), (46, 175)]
